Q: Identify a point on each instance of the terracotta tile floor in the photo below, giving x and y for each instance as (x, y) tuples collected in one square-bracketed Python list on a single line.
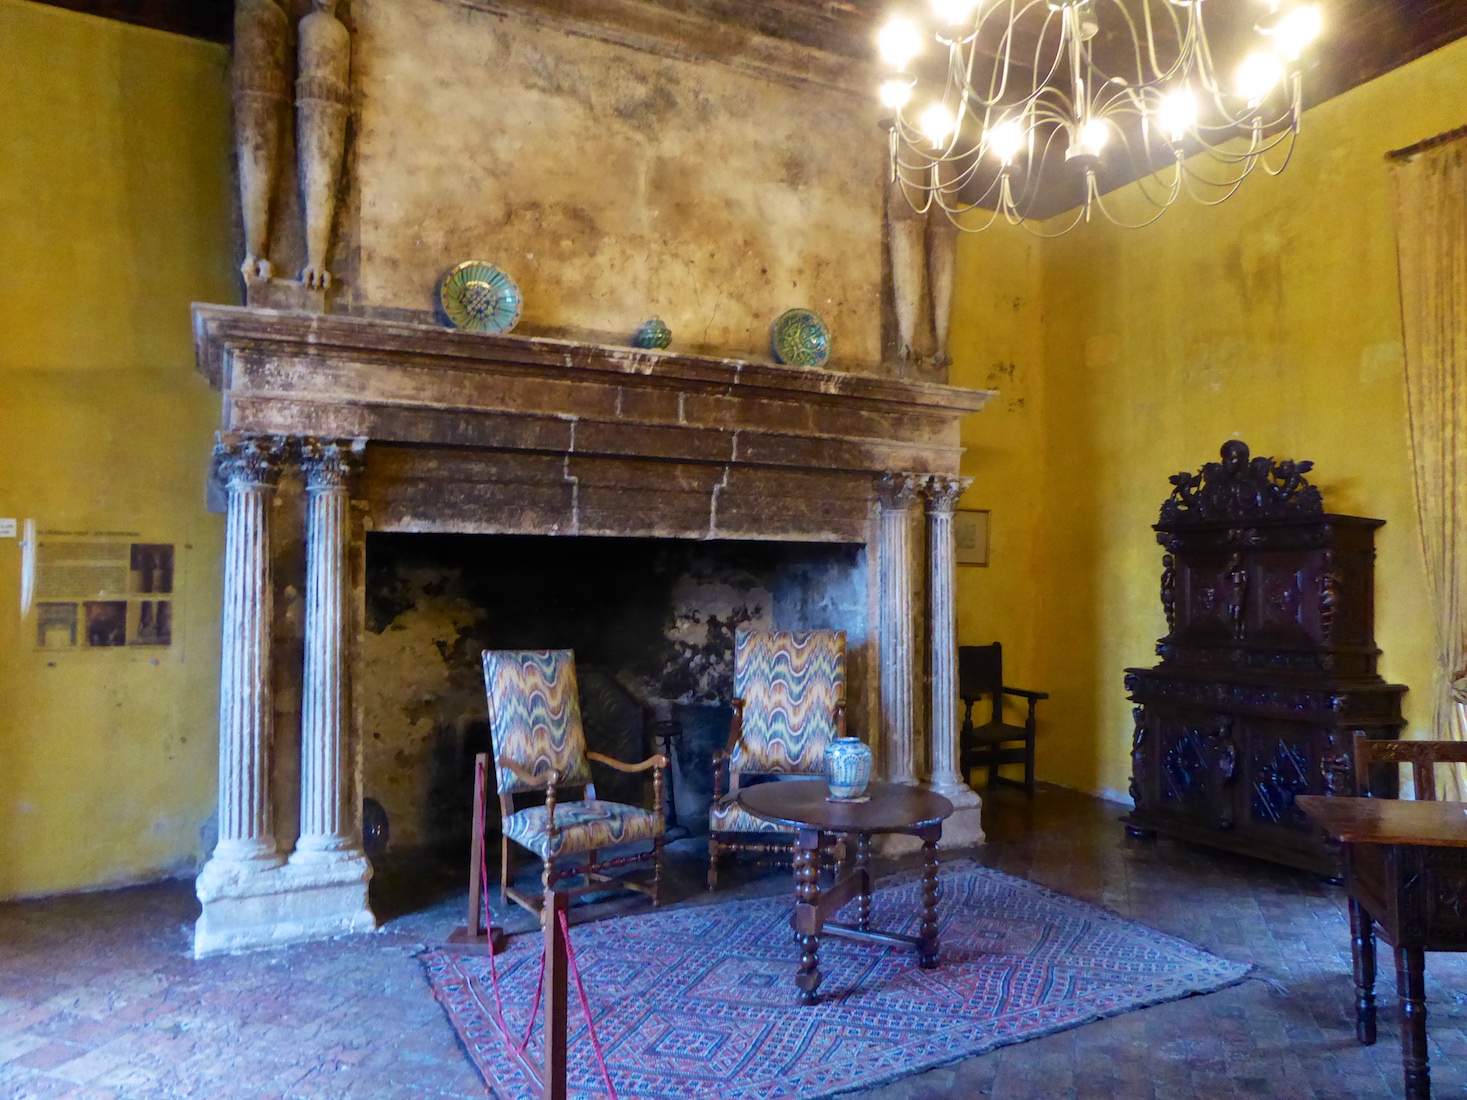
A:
[(99, 998)]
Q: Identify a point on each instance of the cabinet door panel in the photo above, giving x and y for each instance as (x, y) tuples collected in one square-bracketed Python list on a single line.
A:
[(1285, 598), (1196, 766), (1203, 588), (1283, 762)]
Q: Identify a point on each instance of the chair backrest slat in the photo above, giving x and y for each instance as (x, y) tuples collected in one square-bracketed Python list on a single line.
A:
[(1423, 756)]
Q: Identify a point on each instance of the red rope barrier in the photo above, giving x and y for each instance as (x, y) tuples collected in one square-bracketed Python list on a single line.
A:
[(570, 957)]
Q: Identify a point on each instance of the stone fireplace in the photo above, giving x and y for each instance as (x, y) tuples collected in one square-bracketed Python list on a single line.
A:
[(338, 431)]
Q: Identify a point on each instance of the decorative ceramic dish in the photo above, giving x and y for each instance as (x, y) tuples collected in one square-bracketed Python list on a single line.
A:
[(479, 297), (800, 338)]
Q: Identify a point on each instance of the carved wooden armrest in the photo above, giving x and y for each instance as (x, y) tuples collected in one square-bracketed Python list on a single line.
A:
[(524, 775), (657, 761), (725, 754), (1032, 696), (735, 729)]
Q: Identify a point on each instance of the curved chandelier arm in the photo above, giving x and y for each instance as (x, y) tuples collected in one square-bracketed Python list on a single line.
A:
[(1091, 104)]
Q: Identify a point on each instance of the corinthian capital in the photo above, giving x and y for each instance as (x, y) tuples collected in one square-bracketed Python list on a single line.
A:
[(331, 464), (249, 461), (943, 491), (897, 491)]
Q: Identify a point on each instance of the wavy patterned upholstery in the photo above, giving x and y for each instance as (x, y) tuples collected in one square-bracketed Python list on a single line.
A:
[(535, 715), (727, 816), (790, 682), (582, 827)]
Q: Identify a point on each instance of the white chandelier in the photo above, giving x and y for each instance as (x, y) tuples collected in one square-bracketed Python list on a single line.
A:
[(1024, 85)]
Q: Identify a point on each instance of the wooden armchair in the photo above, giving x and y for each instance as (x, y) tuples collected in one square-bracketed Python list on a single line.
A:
[(539, 745), (790, 702), (996, 742)]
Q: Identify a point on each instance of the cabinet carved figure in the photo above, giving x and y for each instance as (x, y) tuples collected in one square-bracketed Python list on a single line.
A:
[(1268, 666)]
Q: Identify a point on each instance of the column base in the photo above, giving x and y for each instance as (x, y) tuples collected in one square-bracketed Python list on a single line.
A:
[(964, 829), (248, 906), (955, 791)]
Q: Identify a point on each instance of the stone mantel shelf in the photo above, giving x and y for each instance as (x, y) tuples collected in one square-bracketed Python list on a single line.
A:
[(221, 331), (512, 434)]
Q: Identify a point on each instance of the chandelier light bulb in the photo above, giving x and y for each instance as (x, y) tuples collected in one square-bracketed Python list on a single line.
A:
[(954, 13), (1006, 140), (1259, 74), (1177, 114), (895, 94), (899, 42), (937, 124), (1093, 136), (1296, 30)]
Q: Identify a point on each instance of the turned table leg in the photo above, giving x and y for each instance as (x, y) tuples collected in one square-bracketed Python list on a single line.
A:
[(1411, 988), (1362, 945), (807, 893), (863, 868), (927, 950)]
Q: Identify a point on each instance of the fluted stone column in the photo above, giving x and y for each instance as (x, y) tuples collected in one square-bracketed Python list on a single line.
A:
[(326, 827), (897, 492), (249, 470), (942, 495), (250, 895)]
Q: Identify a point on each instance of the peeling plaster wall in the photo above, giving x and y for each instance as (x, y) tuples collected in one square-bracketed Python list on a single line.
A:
[(611, 183), (659, 615)]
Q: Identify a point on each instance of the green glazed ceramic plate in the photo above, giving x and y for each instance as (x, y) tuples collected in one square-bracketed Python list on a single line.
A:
[(479, 297), (800, 338)]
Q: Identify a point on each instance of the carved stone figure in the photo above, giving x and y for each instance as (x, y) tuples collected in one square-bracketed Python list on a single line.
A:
[(942, 251), (261, 95), (905, 230), (322, 103)]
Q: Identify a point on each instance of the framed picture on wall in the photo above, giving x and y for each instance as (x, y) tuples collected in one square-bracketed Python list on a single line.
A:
[(970, 536)]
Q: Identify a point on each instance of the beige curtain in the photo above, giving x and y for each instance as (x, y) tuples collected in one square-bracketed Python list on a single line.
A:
[(1431, 227)]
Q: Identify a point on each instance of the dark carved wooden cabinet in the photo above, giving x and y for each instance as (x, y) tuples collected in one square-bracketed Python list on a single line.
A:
[(1268, 665)]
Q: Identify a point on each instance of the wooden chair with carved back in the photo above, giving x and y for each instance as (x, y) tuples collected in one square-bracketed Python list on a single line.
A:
[(995, 742), (1423, 756), (789, 703), (540, 746)]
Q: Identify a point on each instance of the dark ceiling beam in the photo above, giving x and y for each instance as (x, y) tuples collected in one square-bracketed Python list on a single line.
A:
[(212, 20)]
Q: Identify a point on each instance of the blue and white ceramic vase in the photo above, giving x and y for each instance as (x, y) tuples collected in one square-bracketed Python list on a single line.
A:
[(847, 767)]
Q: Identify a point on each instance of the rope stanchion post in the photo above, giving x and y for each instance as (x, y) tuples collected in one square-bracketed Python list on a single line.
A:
[(552, 1077), (469, 939)]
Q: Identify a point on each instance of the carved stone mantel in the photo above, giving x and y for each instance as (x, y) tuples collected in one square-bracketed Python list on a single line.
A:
[(460, 432)]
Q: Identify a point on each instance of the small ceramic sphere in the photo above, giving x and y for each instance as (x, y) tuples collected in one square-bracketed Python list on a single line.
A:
[(653, 334)]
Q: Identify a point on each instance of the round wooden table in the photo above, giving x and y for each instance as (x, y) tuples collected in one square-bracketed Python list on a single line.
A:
[(804, 807)]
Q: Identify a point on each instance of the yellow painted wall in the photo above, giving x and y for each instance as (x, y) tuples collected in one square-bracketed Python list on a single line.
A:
[(1273, 318), (115, 214), (997, 344)]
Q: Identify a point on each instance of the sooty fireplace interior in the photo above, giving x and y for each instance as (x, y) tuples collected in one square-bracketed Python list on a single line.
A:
[(651, 622)]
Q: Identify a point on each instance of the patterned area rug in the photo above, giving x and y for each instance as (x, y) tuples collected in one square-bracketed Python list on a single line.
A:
[(699, 1002)]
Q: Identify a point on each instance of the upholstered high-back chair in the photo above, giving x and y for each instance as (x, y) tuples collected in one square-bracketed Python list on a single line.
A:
[(539, 746), (789, 703)]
